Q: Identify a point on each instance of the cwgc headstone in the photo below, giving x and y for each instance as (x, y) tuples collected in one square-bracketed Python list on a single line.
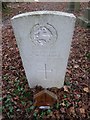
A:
[(44, 39)]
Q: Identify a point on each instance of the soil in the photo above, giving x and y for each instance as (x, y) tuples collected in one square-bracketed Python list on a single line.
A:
[(17, 97)]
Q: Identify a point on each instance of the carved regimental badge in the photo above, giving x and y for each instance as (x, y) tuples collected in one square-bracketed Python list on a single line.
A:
[(43, 34)]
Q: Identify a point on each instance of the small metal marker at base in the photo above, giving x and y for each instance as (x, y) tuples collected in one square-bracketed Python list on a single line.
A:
[(36, 0), (44, 99), (44, 107)]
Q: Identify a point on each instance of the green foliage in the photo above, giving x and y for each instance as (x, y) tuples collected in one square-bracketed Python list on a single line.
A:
[(0, 105), (4, 5), (67, 83), (8, 106), (0, 109), (65, 96), (5, 8), (48, 111), (20, 94), (66, 103), (5, 77), (88, 55), (29, 109), (26, 94), (39, 115), (20, 90), (42, 114), (57, 105), (35, 115)]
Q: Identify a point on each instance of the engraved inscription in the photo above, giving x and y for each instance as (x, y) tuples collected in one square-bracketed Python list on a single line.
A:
[(43, 35)]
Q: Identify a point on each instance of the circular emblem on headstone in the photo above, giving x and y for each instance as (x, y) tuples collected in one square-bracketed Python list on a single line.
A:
[(43, 34)]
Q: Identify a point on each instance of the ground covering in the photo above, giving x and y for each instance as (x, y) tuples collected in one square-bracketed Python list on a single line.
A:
[(17, 97)]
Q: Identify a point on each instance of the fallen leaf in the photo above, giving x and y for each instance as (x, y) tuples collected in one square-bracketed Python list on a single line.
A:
[(76, 66), (82, 110), (72, 110), (66, 88), (86, 89), (69, 71), (62, 110), (63, 104), (77, 96)]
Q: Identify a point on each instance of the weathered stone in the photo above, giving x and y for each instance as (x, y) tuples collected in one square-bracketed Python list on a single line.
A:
[(84, 20), (73, 6), (44, 39)]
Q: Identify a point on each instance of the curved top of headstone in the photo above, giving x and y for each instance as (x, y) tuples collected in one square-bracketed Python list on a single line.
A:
[(34, 13)]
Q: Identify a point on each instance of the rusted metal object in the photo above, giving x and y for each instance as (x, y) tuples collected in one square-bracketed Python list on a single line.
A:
[(45, 98)]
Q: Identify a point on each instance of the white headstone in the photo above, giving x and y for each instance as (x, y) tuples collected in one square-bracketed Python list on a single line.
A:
[(44, 39)]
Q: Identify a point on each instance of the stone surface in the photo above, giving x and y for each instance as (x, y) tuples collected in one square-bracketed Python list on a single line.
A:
[(44, 39), (73, 6), (87, 13), (84, 20)]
